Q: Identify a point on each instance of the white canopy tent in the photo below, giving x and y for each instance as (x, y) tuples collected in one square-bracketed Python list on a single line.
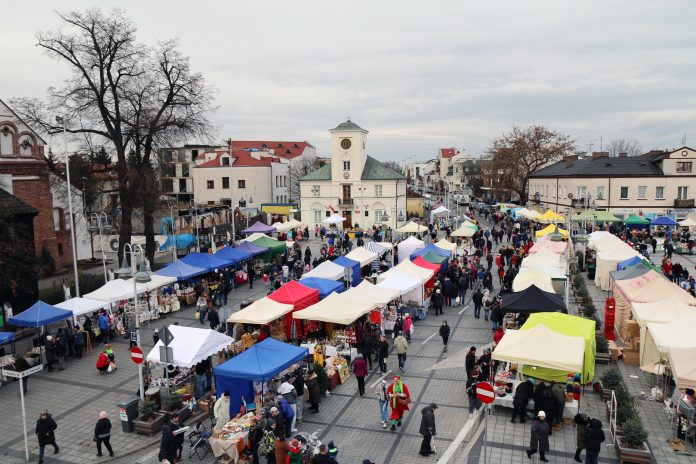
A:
[(115, 290), (413, 270), (326, 270), (191, 346), (531, 276), (83, 305), (255, 236), (439, 211), (335, 308), (156, 281), (606, 242), (261, 311), (660, 338), (467, 229), (598, 234), (446, 245), (366, 291), (607, 261), (688, 222), (361, 255), (543, 258), (526, 347), (412, 228), (333, 219), (377, 247), (664, 311), (408, 246), (401, 282), (682, 361)]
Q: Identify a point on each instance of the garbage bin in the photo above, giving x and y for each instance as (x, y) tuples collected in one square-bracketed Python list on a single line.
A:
[(128, 410)]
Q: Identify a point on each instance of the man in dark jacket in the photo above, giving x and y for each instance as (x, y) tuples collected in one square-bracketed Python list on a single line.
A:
[(438, 301), (168, 443), (314, 392), (213, 318), (383, 353), (539, 440), (45, 433), (463, 286), (594, 436), (470, 360), (521, 399), (477, 298), (484, 363), (427, 429)]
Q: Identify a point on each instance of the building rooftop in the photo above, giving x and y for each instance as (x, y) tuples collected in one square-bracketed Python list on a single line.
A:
[(284, 149), (239, 158), (348, 125), (601, 167), (10, 205), (323, 173), (374, 170), (448, 152)]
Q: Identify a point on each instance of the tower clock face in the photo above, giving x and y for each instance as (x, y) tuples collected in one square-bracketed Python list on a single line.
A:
[(345, 144)]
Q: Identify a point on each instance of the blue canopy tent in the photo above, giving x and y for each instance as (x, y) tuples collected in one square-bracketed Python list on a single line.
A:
[(206, 261), (628, 262), (325, 286), (233, 254), (355, 265), (663, 221), (181, 270), (6, 337), (259, 363), (252, 248), (430, 247), (40, 314)]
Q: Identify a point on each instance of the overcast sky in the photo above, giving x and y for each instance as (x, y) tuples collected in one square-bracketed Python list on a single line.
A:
[(417, 75)]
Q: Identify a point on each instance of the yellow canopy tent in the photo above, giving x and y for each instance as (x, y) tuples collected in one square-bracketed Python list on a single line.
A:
[(550, 217), (549, 230)]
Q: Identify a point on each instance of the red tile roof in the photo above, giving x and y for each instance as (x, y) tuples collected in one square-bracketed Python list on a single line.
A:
[(240, 158), (448, 152), (288, 150)]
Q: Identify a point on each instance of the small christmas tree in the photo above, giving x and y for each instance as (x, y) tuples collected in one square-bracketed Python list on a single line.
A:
[(611, 378), (634, 435)]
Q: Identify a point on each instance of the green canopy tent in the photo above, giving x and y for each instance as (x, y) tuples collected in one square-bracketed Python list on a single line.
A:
[(434, 258), (597, 216), (275, 247), (572, 326), (634, 219)]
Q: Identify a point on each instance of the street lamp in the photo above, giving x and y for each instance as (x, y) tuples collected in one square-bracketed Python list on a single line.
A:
[(101, 228), (140, 276), (193, 210), (556, 235), (61, 120)]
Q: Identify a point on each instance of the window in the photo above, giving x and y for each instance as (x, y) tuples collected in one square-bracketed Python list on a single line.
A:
[(285, 181), (600, 192), (683, 192), (167, 156), (225, 182), (225, 161), (184, 170), (182, 155), (68, 222), (57, 216), (582, 192), (167, 186), (642, 192), (378, 215), (659, 193), (241, 183), (317, 216), (168, 170), (276, 181), (328, 214), (684, 166), (211, 184), (346, 165), (182, 186), (624, 193), (378, 190), (194, 155)]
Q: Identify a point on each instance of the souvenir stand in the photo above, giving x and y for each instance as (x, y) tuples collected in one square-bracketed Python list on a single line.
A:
[(120, 293), (256, 260), (326, 270), (324, 286), (80, 306), (405, 285), (182, 272), (6, 360), (260, 312), (246, 377), (385, 312), (39, 314), (408, 246), (520, 349), (417, 298), (300, 297), (682, 364), (189, 347), (159, 296)]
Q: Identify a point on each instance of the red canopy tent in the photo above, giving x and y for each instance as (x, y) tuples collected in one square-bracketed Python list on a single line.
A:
[(428, 265), (300, 297)]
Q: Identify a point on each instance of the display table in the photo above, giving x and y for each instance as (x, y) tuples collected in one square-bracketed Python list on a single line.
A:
[(570, 410), (232, 438)]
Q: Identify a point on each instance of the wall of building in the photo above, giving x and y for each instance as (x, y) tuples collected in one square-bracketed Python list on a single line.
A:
[(258, 183)]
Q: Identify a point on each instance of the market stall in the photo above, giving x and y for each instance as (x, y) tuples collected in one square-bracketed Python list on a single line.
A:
[(300, 297), (412, 228), (660, 338), (352, 264), (663, 221), (605, 241), (361, 255), (420, 261), (334, 219), (551, 228), (550, 217), (181, 271), (437, 212), (408, 246), (261, 312), (324, 286), (466, 230), (377, 247), (629, 262), (607, 261), (40, 314), (530, 276), (80, 306), (248, 247), (116, 290), (275, 247), (682, 361), (665, 311), (326, 270), (431, 248), (206, 261), (233, 254), (336, 309), (407, 267), (432, 258), (544, 258), (546, 244), (381, 297), (445, 244), (595, 216), (532, 300), (260, 228)]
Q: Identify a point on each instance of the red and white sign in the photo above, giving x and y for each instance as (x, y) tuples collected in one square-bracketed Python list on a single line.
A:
[(137, 355), (484, 392)]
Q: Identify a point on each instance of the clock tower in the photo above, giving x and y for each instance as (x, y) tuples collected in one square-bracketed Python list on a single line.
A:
[(348, 153)]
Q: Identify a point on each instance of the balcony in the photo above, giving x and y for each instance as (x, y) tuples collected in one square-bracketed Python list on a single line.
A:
[(684, 203), (345, 202)]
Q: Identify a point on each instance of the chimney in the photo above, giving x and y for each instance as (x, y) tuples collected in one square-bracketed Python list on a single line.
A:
[(570, 159), (600, 154), (623, 154)]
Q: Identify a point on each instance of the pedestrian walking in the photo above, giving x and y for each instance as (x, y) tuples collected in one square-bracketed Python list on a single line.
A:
[(201, 307), (383, 354), (401, 346), (102, 434), (46, 434), (581, 421), (523, 393), (594, 437), (539, 440), (470, 361), (427, 429), (438, 301), (444, 333), (408, 327), (360, 371), (477, 298), (383, 398), (399, 399), (213, 318), (250, 275), (290, 395), (471, 383)]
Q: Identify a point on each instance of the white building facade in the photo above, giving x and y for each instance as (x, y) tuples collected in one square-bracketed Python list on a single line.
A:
[(353, 185)]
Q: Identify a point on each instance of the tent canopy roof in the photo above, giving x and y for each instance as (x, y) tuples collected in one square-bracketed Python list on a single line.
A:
[(262, 361), (431, 248), (619, 253), (181, 270), (40, 314), (6, 337), (550, 216), (635, 219), (412, 228), (324, 286), (532, 299), (530, 276), (407, 267), (82, 305), (594, 215), (336, 308), (361, 255), (651, 286), (667, 310), (326, 270), (545, 244), (524, 347), (467, 229), (333, 219), (401, 282), (156, 281), (683, 364), (115, 290), (550, 229), (294, 292), (252, 248), (412, 241), (366, 291), (191, 345), (446, 245), (424, 263), (376, 247), (674, 334), (663, 221), (543, 257), (206, 261), (269, 242), (631, 272), (688, 222), (259, 227), (233, 254), (261, 311)]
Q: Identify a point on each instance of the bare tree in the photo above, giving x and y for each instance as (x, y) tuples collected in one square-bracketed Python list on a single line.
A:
[(629, 146), (517, 154), (394, 166), (300, 167)]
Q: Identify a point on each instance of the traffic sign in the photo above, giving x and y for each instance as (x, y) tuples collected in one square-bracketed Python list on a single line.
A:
[(137, 355), (484, 392), (166, 336), (166, 354)]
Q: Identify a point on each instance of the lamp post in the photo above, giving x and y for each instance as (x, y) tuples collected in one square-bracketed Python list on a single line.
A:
[(193, 210), (139, 277), (101, 228), (61, 120), (171, 216)]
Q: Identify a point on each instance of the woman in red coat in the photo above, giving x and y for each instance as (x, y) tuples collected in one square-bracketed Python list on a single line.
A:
[(498, 335), (103, 362), (399, 398)]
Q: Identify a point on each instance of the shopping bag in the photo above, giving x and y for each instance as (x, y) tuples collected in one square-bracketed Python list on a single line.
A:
[(457, 301), (110, 368), (197, 315)]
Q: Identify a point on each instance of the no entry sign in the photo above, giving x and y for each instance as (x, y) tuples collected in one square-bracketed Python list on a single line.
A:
[(137, 355), (484, 392)]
